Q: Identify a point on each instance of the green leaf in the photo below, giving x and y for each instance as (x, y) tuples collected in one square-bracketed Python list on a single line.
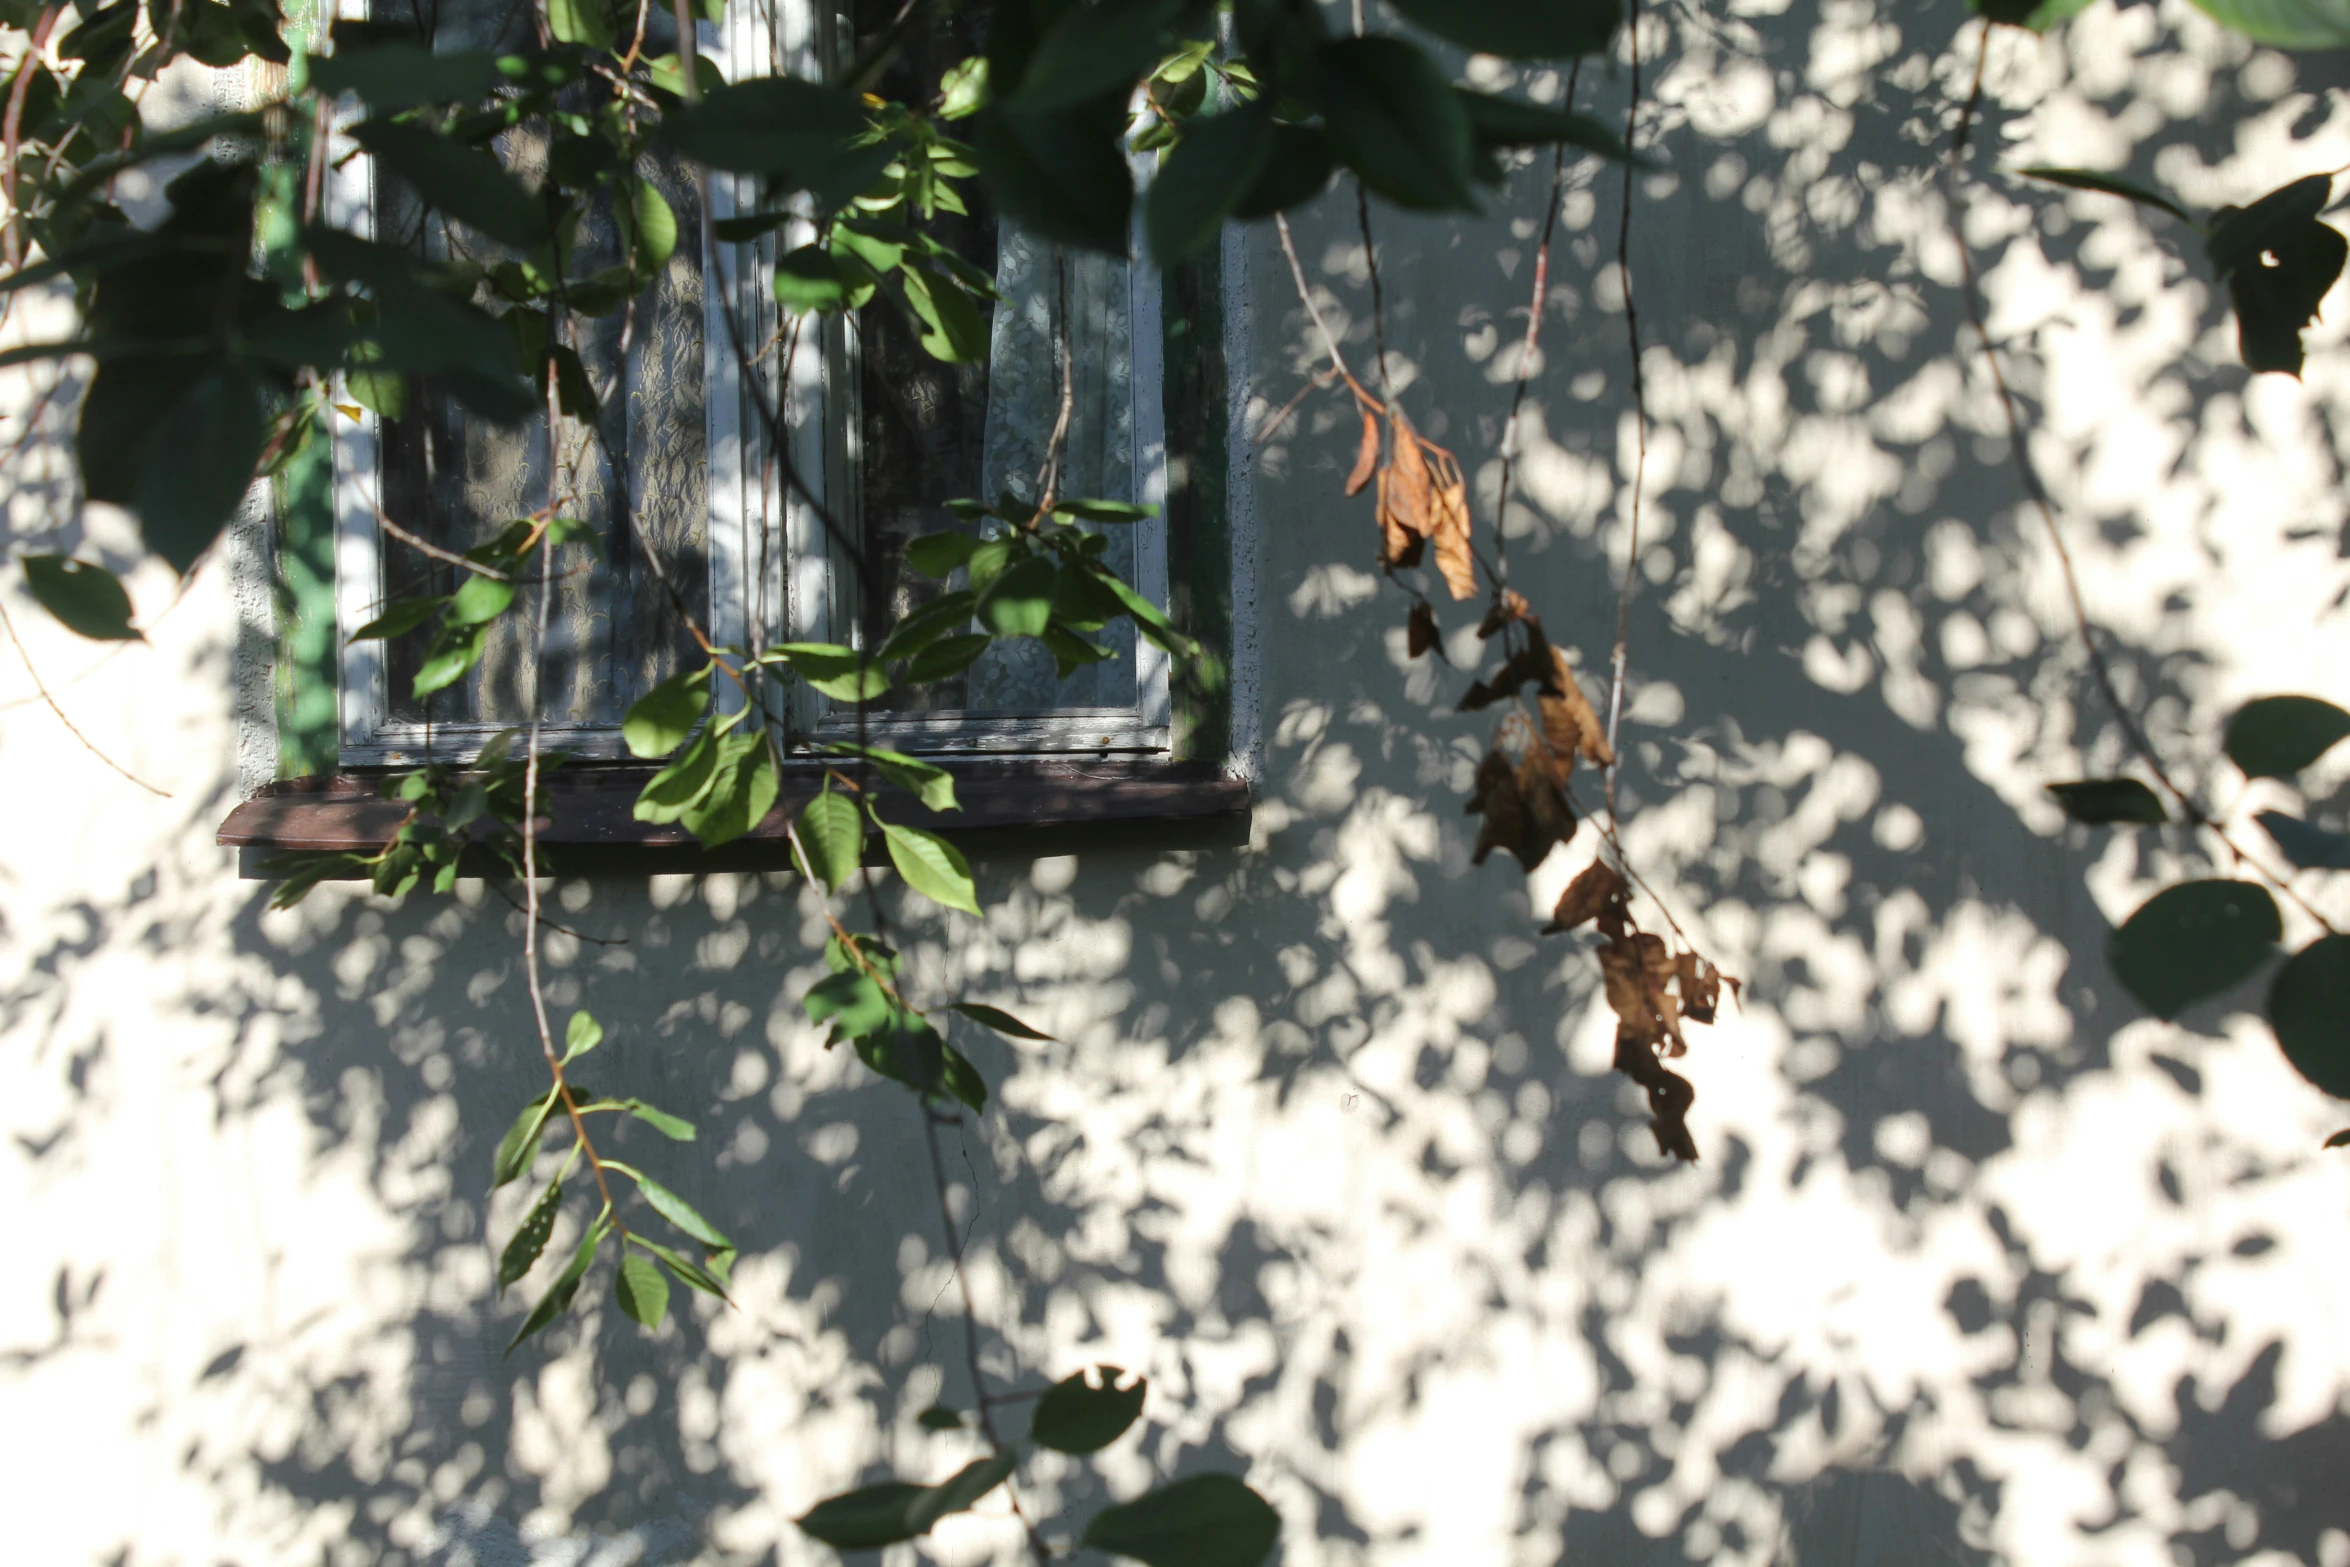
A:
[(2309, 848), (522, 1251), (2285, 24), (479, 600), (1093, 49), (666, 75), (642, 1291), (676, 1128), (966, 1486), (468, 186), (1298, 171), (656, 225), (947, 658), (2035, 15), (811, 278), (2276, 295), (199, 464), (940, 1418), (931, 784), (2193, 941), (1063, 176), (708, 1280), (2277, 736), (1020, 602), (2109, 184), (1510, 122), (850, 1002), (87, 599), (742, 791), (582, 1036), (941, 554), (926, 625), (865, 1519), (1206, 1521), (557, 1300), (1081, 1415), (932, 866), (832, 833), (2239, 234), (1516, 29), (1001, 1021), (682, 785), (2102, 802), (398, 619), (1104, 511), (2309, 1007), (679, 1212), (839, 672), (953, 332), (658, 722), (957, 1075), (403, 75), (1203, 180), (588, 22), (1394, 120), (454, 653), (796, 132), (520, 1145)]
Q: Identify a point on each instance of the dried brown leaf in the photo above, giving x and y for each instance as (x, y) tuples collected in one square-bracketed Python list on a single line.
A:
[(1367, 457), (1592, 890), (1549, 818), (1399, 546), (1507, 824), (1420, 632), (1408, 482), (1669, 1095), (1700, 984), (1449, 525), (1511, 606), (1569, 723)]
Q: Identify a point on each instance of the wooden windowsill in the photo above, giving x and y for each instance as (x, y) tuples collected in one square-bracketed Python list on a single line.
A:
[(590, 822)]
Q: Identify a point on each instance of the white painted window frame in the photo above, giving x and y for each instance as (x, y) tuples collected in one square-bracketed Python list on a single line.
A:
[(770, 557)]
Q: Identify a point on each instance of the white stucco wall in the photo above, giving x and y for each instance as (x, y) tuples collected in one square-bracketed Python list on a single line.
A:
[(1980, 1266)]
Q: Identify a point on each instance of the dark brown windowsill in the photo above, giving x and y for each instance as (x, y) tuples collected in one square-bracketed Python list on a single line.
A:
[(590, 823)]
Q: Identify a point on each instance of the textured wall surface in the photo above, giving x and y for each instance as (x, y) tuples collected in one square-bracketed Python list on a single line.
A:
[(1981, 1265)]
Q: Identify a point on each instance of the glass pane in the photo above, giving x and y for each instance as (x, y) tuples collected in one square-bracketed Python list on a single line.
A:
[(457, 480), (932, 432)]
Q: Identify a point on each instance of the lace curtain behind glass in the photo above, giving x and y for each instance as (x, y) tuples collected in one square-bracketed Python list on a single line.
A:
[(457, 480)]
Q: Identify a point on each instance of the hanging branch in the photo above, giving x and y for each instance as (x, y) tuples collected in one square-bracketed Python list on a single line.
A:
[(1631, 584)]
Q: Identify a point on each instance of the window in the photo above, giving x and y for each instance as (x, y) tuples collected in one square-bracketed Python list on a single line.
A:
[(883, 432), (887, 433)]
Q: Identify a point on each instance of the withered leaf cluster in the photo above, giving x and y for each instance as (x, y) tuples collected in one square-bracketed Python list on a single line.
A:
[(1653, 990), (1423, 497), (1524, 799)]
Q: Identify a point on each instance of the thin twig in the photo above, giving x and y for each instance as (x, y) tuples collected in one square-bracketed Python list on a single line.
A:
[(1305, 294), (1631, 584), (1378, 300), (1509, 431), (87, 745)]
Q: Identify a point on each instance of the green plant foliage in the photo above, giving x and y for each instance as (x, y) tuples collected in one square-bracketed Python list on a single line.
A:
[(1206, 1521), (199, 464), (2192, 941), (1090, 50), (1205, 179), (2103, 802), (2277, 736), (931, 866), (2309, 1007), (933, 785), (641, 1291), (1394, 119), (1516, 30), (520, 1145), (2278, 262), (2033, 15), (1079, 1414), (559, 1295), (394, 75), (467, 185), (530, 1237), (582, 1035), (832, 833), (658, 722), (88, 600), (2109, 184), (998, 1019), (676, 1210), (2286, 24)]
